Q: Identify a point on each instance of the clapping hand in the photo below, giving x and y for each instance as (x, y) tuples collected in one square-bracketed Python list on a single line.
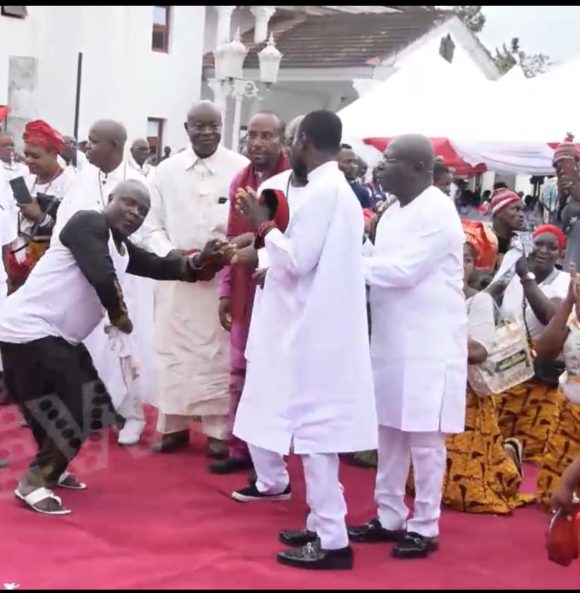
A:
[(248, 204), (523, 266)]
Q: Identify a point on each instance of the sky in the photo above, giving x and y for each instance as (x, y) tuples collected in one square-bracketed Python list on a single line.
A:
[(553, 30)]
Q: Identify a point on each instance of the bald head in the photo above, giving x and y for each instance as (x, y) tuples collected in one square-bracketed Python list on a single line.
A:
[(128, 206), (111, 130), (413, 147), (140, 151), (408, 168), (204, 109), (106, 143), (204, 128), (134, 189)]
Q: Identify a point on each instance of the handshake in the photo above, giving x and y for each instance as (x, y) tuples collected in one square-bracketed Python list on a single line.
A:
[(205, 264)]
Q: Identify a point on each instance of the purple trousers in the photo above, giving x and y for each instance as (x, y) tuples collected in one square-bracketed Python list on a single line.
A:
[(238, 340)]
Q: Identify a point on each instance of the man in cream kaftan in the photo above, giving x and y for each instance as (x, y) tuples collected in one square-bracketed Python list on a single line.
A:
[(418, 346), (91, 191), (309, 384), (189, 206)]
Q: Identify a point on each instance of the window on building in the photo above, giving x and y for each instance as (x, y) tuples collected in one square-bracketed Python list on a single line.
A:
[(155, 135), (447, 48), (161, 26), (19, 12)]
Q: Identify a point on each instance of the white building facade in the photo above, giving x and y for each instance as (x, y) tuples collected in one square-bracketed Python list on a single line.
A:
[(141, 65)]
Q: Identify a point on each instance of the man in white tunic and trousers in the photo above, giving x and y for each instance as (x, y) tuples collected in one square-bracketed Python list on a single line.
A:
[(309, 384), (190, 205), (91, 191), (418, 347)]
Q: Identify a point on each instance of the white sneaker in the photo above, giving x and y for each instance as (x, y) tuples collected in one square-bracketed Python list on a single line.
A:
[(131, 432)]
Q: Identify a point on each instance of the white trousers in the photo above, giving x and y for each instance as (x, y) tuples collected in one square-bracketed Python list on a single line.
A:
[(214, 427), (428, 452), (324, 493)]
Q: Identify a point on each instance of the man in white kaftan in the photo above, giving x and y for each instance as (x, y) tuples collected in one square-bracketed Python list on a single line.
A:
[(138, 156), (419, 347), (190, 206), (309, 383), (91, 191)]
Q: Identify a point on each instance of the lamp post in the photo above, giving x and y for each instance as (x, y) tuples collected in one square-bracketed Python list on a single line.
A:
[(229, 77)]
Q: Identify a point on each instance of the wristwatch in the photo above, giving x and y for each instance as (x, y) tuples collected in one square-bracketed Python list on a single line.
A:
[(530, 276)]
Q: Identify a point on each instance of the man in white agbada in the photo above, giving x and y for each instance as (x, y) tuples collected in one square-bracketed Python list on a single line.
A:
[(418, 347), (9, 168), (309, 385), (71, 156), (138, 157), (189, 206), (91, 191)]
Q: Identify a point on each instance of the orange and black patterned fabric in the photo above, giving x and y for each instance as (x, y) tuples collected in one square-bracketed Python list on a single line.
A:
[(480, 476), (562, 448), (529, 412)]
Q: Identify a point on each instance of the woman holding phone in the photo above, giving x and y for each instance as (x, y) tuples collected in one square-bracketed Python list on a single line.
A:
[(47, 183)]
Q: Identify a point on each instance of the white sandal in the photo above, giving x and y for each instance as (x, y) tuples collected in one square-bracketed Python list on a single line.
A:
[(62, 482), (38, 495)]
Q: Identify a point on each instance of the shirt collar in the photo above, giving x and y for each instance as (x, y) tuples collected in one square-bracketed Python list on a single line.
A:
[(324, 169), (118, 173), (211, 163)]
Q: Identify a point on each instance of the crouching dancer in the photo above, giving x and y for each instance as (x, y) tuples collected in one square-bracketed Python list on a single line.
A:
[(42, 326)]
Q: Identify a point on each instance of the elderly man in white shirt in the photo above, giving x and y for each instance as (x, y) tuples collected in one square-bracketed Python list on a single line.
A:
[(419, 347), (91, 191), (190, 205)]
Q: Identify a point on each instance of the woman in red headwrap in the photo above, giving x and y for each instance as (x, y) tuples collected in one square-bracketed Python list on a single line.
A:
[(530, 411), (561, 339), (47, 184), (482, 475)]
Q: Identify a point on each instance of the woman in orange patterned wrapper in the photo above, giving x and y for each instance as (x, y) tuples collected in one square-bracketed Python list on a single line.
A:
[(562, 338), (483, 473), (36, 219)]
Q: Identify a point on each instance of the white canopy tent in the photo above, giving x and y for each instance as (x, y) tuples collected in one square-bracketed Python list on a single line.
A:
[(506, 125)]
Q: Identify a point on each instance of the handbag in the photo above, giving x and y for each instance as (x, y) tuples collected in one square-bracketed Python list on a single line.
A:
[(562, 537), (509, 361)]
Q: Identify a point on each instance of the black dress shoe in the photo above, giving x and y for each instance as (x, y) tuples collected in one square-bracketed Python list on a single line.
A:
[(251, 493), (297, 539), (231, 465), (373, 532), (413, 545), (172, 442), (313, 557)]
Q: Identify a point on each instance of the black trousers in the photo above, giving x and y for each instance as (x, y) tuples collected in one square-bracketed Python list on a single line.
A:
[(59, 392)]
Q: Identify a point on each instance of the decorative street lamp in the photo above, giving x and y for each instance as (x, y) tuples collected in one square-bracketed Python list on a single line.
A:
[(230, 81)]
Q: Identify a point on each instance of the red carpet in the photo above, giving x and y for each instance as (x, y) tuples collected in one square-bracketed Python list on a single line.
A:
[(163, 522)]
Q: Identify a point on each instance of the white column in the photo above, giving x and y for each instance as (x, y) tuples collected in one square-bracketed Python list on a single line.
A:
[(224, 24), (237, 123), (262, 14)]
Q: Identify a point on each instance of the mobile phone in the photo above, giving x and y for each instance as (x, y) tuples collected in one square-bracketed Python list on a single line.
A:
[(222, 200), (20, 191)]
